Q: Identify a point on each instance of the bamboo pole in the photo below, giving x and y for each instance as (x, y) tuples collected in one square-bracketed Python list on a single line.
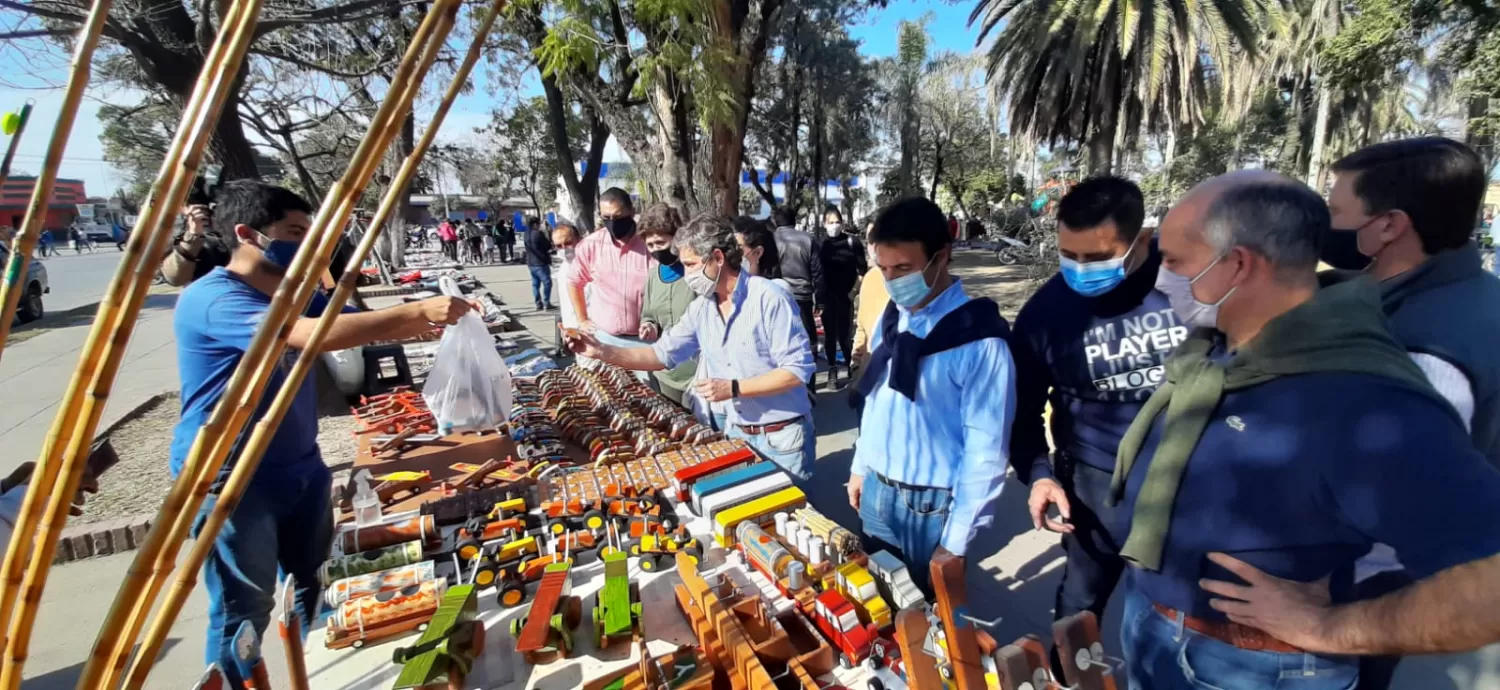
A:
[(78, 415), (15, 143), (31, 228), (243, 396)]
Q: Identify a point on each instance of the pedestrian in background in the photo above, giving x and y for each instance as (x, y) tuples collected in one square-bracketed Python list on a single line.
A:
[(872, 303), (539, 263), (667, 295), (844, 263), (449, 239), (801, 268)]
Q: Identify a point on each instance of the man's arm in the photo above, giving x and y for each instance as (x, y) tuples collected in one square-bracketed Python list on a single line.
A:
[(579, 279), (178, 269), (987, 404), (396, 323), (789, 349), (1033, 380)]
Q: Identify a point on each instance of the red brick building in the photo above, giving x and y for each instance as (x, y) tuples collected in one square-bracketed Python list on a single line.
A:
[(62, 208)]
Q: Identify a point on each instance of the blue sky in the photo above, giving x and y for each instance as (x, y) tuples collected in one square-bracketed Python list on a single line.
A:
[(40, 77)]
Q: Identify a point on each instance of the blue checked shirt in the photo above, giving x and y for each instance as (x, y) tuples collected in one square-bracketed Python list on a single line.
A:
[(763, 333), (956, 435)]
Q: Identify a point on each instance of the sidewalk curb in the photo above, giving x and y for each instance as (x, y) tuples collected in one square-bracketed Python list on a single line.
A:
[(111, 536)]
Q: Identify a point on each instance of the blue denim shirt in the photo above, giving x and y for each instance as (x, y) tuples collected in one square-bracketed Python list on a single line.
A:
[(956, 435), (763, 333)]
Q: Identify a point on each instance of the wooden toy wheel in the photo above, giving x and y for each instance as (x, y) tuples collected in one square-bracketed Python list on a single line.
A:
[(485, 577), (512, 595), (649, 563), (467, 549), (633, 547), (605, 549), (669, 522), (593, 520)]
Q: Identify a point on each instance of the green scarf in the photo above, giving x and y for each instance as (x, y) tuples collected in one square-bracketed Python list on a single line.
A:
[(1341, 329)]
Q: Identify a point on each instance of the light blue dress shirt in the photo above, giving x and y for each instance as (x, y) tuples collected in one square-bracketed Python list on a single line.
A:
[(956, 435), (763, 333)]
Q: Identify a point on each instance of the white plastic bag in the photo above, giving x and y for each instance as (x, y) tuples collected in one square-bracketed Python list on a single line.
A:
[(468, 388)]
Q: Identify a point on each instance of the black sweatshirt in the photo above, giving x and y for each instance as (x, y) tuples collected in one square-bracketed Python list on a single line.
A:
[(1096, 359), (844, 264)]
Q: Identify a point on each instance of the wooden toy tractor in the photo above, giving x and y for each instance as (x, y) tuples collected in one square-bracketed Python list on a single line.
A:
[(617, 607)]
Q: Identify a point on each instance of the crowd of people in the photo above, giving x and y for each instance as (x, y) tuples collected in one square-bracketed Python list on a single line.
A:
[(1290, 472)]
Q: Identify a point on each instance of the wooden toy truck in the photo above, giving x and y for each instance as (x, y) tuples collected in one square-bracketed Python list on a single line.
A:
[(656, 550), (445, 652), (545, 633), (617, 607)]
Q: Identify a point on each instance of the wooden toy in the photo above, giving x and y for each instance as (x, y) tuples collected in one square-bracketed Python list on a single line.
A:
[(290, 627), (1022, 665), (893, 580), (617, 607), (461, 507), (858, 586), (421, 528), (964, 661), (247, 658), (744, 493), (380, 581), (371, 619), (776, 561), (760, 511), (545, 633), (686, 668), (443, 656), (389, 488), (704, 488), (842, 544), (911, 633), (684, 479), (353, 564), (737, 635), (512, 576), (655, 549), (1081, 652), (836, 618)]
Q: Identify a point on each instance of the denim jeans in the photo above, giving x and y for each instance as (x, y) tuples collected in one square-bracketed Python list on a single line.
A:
[(910, 521), (1160, 654), (284, 525), (1094, 566), (793, 449), (541, 284)]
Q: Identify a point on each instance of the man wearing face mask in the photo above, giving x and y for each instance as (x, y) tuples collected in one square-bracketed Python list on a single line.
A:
[(1291, 434), (1403, 213), (937, 399), (751, 348), (613, 265), (843, 262), (283, 521), (1092, 342), (538, 245)]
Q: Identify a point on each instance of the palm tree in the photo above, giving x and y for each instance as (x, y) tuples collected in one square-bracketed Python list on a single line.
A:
[(1097, 72)]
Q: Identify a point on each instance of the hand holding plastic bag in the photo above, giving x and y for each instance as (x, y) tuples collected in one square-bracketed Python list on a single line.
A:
[(468, 388)]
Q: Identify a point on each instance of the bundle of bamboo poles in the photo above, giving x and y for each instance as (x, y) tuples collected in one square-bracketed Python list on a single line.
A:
[(30, 231), (60, 467)]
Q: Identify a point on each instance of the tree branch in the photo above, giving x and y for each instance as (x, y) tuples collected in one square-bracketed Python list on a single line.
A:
[(347, 12), (306, 64), (34, 33)]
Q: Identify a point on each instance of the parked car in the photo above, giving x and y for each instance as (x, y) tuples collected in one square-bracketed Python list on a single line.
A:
[(30, 307)]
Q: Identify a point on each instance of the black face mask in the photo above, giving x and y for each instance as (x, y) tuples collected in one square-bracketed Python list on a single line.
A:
[(1341, 250), (620, 228), (665, 257)]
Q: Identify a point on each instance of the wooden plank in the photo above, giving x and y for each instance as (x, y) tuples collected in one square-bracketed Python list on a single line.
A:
[(963, 647), (539, 618)]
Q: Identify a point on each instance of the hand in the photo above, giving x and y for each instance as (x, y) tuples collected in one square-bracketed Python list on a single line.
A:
[(714, 390), (89, 485), (199, 220), (587, 326), (649, 332), (1294, 612), (445, 310), (1046, 492), (18, 477), (856, 487), (583, 343)]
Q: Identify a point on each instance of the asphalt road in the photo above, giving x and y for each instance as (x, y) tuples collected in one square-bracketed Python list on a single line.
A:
[(79, 279)]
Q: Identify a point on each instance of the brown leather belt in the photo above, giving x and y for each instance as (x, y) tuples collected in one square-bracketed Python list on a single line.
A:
[(771, 428), (1229, 632)]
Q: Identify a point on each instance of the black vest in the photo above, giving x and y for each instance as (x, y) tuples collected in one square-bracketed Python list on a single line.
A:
[(975, 320)]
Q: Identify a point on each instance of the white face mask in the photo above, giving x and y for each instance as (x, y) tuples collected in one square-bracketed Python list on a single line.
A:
[(833, 229), (699, 282), (568, 253), (1179, 292)]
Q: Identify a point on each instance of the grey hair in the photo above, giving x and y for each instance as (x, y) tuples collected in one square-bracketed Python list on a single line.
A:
[(1284, 221), (707, 232)]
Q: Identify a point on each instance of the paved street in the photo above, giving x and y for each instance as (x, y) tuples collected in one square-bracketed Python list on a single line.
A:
[(79, 279), (1013, 572)]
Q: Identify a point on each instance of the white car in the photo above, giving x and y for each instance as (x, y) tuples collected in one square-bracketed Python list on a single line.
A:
[(30, 307), (894, 582)]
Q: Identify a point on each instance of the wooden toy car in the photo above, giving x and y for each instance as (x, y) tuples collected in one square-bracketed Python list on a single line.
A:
[(1081, 652), (858, 586), (545, 633), (893, 580), (743, 493), (712, 485), (445, 652), (617, 607), (684, 479), (836, 618), (761, 511), (512, 577), (368, 620), (658, 550)]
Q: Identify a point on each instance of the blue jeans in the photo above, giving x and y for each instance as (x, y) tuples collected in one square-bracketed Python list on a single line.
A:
[(793, 449), (910, 521), (1160, 654), (541, 284), (285, 525)]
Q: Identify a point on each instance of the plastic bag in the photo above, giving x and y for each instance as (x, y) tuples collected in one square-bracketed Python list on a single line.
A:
[(468, 388)]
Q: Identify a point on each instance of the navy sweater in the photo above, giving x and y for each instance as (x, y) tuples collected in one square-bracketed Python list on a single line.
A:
[(1302, 475), (1096, 359)]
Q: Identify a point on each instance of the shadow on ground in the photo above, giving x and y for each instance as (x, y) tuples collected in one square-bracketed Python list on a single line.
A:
[(83, 315)]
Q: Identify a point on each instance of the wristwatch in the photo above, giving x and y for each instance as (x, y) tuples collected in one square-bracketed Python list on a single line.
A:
[(734, 388)]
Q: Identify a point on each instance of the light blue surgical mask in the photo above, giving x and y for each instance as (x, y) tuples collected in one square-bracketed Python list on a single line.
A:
[(909, 290), (1094, 278)]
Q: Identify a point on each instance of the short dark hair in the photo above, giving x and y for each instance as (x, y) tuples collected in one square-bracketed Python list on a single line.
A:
[(1097, 199), (708, 231), (1439, 183), (660, 219), (759, 236), (618, 197), (253, 203), (1282, 220), (835, 211), (916, 219), (784, 216)]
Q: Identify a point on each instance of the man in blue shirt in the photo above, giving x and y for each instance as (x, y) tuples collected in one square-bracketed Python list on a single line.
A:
[(938, 398), (284, 520), (1091, 342), (1291, 434), (752, 349)]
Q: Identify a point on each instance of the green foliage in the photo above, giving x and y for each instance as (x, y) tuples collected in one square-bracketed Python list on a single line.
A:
[(135, 139)]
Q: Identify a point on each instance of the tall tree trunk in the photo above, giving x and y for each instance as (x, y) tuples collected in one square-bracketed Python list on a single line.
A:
[(1101, 153), (230, 146), (1478, 107), (1319, 138), (582, 189), (937, 169), (674, 150)]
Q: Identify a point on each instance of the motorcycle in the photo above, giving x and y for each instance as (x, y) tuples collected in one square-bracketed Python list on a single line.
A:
[(1010, 251)]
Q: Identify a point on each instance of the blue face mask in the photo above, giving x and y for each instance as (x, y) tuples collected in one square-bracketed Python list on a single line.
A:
[(1095, 277), (909, 290), (279, 253)]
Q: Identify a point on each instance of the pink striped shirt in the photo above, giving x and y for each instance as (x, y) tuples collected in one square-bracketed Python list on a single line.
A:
[(618, 273)]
